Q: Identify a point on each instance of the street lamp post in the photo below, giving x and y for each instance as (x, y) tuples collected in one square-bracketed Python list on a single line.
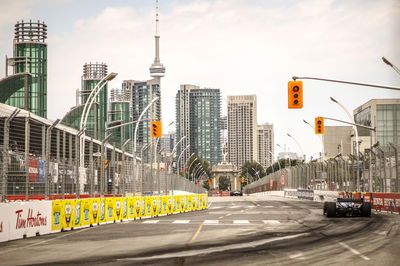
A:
[(351, 118), (391, 65), (298, 144), (320, 138), (174, 150), (179, 158)]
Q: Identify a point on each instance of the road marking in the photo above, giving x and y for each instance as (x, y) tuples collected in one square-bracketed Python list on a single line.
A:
[(221, 217), (233, 207), (181, 222), (229, 214), (241, 221), (196, 234), (211, 222), (150, 222), (268, 206), (216, 207), (250, 206), (210, 250), (286, 206), (48, 240), (383, 233), (271, 222), (355, 252)]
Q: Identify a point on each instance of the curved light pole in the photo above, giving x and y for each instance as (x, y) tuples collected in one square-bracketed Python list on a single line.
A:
[(198, 171), (391, 65), (174, 149), (351, 118), (180, 156), (86, 109), (195, 169), (195, 159), (320, 138), (279, 164), (298, 144)]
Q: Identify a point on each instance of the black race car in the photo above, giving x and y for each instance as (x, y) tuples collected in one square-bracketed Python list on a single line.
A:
[(347, 207), (236, 193)]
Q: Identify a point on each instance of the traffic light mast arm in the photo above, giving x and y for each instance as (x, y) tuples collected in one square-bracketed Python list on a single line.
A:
[(129, 123), (349, 82), (358, 125)]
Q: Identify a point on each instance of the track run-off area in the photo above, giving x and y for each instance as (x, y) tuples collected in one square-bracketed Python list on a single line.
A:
[(248, 230)]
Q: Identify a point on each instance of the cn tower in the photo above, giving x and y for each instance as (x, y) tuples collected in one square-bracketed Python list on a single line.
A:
[(157, 70)]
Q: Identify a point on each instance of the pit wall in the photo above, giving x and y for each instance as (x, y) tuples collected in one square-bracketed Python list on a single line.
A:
[(389, 202), (26, 219)]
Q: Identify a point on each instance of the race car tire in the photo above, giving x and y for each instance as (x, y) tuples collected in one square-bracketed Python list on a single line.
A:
[(366, 209), (330, 209)]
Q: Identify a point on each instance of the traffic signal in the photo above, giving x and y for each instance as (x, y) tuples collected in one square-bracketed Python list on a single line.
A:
[(242, 179), (319, 125), (156, 129), (105, 163), (295, 94)]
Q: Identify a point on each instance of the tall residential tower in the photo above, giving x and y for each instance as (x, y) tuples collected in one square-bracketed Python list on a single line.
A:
[(198, 117), (242, 129)]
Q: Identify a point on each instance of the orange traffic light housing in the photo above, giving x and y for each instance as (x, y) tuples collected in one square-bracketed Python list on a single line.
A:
[(319, 125), (295, 94), (156, 129), (242, 179)]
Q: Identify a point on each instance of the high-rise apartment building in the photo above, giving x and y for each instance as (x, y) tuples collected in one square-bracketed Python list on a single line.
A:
[(142, 93), (198, 114), (30, 56), (265, 139), (242, 129)]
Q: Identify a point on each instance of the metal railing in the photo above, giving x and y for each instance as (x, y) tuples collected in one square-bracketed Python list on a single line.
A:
[(379, 172)]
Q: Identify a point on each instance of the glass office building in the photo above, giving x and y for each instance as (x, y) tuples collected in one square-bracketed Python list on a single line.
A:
[(30, 56)]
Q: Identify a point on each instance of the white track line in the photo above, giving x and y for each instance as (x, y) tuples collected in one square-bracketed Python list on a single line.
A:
[(151, 222), (211, 222), (241, 222), (181, 222), (355, 252)]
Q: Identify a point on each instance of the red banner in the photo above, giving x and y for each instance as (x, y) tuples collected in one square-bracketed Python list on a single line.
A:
[(33, 170)]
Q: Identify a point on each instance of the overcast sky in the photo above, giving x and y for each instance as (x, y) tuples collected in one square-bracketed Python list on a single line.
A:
[(238, 46)]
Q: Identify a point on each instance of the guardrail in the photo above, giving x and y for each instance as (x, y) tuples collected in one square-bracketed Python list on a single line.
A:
[(26, 219)]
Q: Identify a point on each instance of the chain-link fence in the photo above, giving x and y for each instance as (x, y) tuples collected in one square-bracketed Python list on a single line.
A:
[(377, 170), (40, 159)]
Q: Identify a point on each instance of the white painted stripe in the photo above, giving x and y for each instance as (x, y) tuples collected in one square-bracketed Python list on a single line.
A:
[(229, 214), (234, 207), (355, 252), (216, 207), (241, 221), (271, 222), (268, 206), (286, 206), (181, 222), (211, 221), (297, 256), (251, 206), (150, 222)]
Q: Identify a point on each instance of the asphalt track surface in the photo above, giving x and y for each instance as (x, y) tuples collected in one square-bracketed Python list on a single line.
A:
[(233, 231)]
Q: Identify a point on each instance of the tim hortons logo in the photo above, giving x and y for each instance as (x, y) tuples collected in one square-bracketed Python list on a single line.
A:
[(27, 220)]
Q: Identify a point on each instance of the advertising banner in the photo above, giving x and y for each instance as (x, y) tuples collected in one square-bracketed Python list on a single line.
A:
[(29, 219), (386, 201), (4, 222), (33, 170), (131, 208), (41, 170), (148, 211), (118, 209), (86, 212), (77, 213), (102, 218), (110, 208), (67, 208), (189, 202), (95, 211), (57, 215), (53, 170), (164, 208), (124, 209), (307, 194)]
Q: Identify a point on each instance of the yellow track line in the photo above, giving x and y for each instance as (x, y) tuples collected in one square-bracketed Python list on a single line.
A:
[(196, 234)]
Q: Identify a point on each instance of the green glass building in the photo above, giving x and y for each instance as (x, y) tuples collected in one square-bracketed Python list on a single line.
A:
[(30, 56), (93, 73)]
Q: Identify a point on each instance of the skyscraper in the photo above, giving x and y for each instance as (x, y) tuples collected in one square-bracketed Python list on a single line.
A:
[(30, 56), (265, 138), (143, 92), (198, 117), (242, 129)]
